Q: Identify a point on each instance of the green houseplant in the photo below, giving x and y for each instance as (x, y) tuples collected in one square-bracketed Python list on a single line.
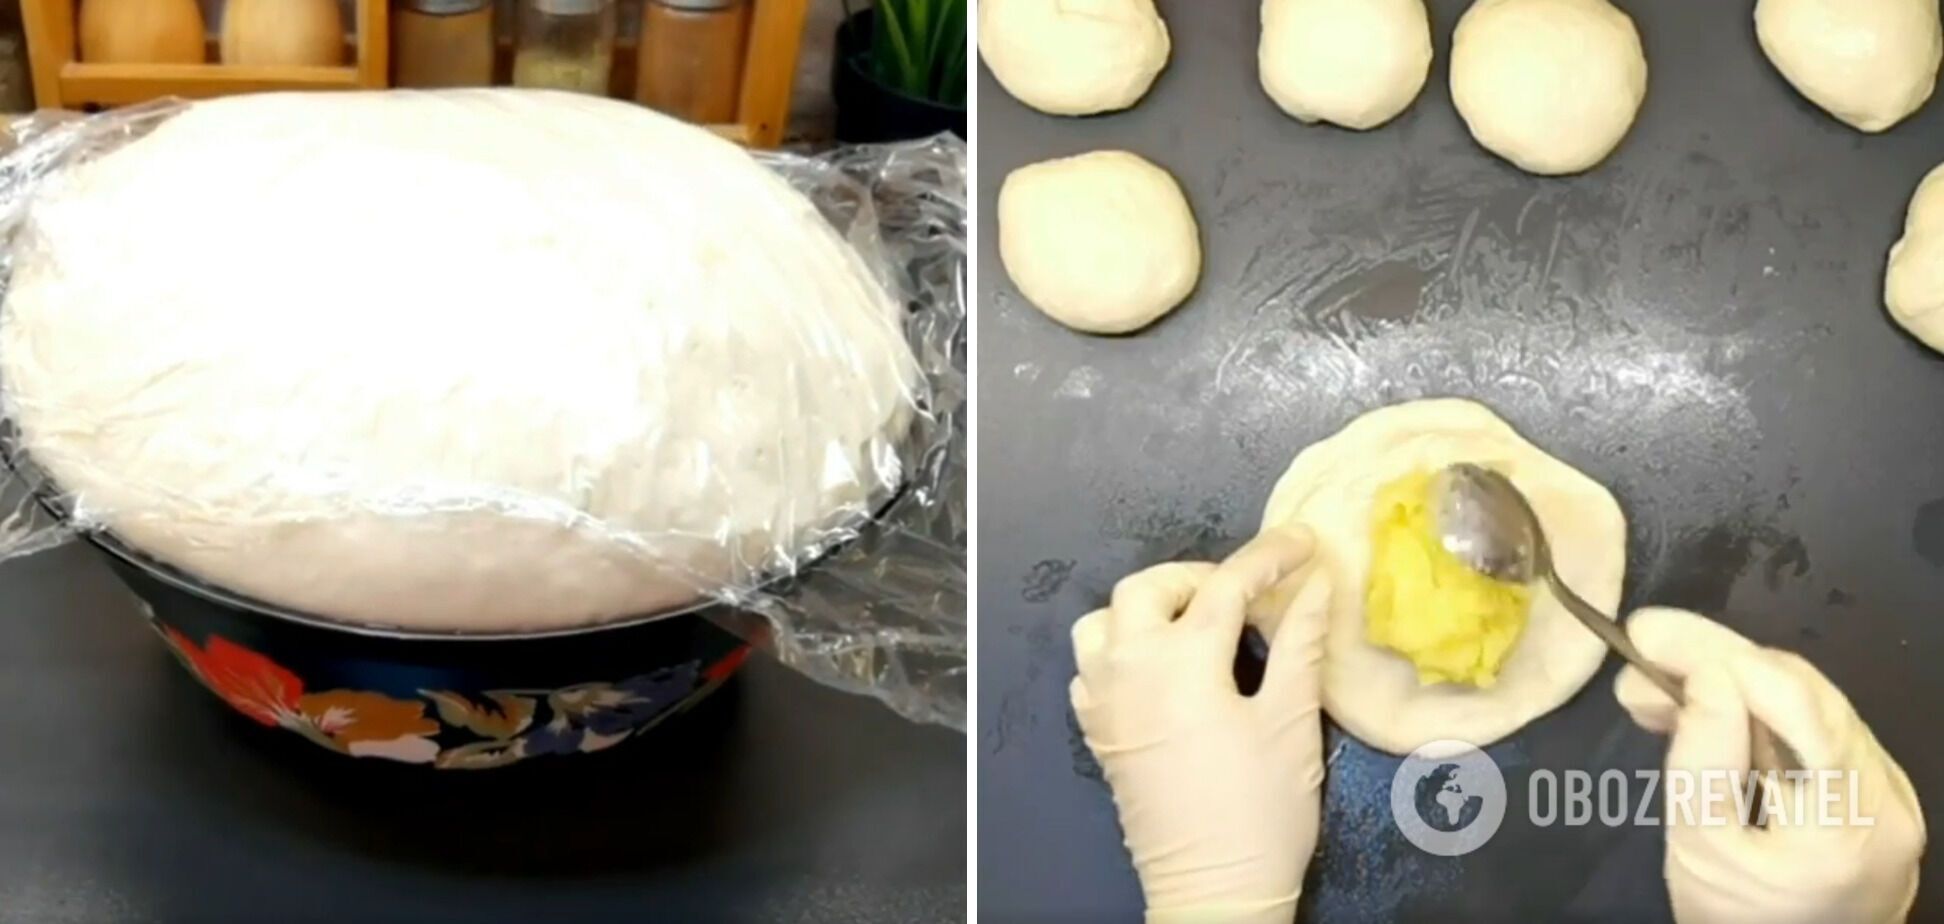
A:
[(900, 70)]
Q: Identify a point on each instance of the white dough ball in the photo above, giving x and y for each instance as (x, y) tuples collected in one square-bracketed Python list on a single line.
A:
[(1867, 62), (1550, 85), (1354, 63), (486, 360), (1913, 287), (1103, 242), (1073, 57)]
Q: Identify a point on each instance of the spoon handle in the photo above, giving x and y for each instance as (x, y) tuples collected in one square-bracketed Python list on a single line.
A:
[(1766, 750), (1616, 638)]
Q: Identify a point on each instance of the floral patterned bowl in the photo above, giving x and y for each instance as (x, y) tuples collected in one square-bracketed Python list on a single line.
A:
[(446, 701)]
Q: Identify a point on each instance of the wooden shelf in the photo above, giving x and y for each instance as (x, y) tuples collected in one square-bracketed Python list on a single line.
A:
[(61, 82), (123, 84)]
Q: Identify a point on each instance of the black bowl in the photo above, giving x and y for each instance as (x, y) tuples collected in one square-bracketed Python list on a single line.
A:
[(446, 701)]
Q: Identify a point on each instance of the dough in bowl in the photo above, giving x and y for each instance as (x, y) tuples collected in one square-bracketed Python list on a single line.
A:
[(483, 360), (1550, 85), (1354, 63), (1374, 693), (1103, 242), (1913, 287), (1869, 63), (1073, 57)]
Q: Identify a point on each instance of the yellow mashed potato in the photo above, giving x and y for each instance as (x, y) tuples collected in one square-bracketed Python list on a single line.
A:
[(1454, 624)]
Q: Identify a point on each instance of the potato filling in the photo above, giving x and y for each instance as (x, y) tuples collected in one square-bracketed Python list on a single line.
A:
[(1454, 624)]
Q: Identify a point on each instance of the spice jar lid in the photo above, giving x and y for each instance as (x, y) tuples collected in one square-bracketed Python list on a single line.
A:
[(570, 7), (446, 7), (696, 4)]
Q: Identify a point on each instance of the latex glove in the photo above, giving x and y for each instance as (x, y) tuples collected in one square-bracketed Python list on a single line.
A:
[(1793, 870), (1218, 793)]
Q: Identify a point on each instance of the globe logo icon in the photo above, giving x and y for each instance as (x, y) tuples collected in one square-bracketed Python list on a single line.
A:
[(1448, 798), (1442, 802)]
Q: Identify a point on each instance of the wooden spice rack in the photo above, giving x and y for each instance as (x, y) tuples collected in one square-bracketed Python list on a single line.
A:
[(62, 82)]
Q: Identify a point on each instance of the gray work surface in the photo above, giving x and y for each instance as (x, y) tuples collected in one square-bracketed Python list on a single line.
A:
[(128, 794), (1696, 322)]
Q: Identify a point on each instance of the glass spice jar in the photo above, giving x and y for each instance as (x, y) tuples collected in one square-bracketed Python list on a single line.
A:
[(565, 45), (690, 60), (442, 43)]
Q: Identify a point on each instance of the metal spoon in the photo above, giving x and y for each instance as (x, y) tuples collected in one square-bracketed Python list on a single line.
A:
[(1489, 526)]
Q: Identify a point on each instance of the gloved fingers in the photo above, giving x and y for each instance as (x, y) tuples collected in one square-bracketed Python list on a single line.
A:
[(1897, 797), (1706, 757), (1268, 911), (1222, 603), (1090, 642), (1150, 599), (1294, 676), (1711, 730), (1644, 702), (1802, 707), (1679, 642), (1798, 704), (1081, 699), (1266, 611)]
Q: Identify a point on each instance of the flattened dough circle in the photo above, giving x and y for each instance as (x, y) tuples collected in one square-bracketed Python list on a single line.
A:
[(1373, 692)]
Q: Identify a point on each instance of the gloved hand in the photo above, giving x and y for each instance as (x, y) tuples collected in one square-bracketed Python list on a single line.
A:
[(1218, 792), (1810, 868)]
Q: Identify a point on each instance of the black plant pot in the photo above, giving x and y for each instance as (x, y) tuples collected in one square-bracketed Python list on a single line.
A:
[(869, 111)]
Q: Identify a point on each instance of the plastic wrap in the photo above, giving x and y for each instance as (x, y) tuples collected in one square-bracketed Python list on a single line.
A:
[(887, 615), (620, 372)]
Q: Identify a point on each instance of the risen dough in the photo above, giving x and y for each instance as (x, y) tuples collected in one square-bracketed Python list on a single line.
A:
[(1550, 85), (1073, 57), (1373, 693), (474, 360), (1868, 62), (1913, 286), (1354, 63), (1103, 242)]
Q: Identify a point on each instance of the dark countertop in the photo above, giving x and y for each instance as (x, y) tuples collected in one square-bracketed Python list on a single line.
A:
[(128, 794), (1697, 323)]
